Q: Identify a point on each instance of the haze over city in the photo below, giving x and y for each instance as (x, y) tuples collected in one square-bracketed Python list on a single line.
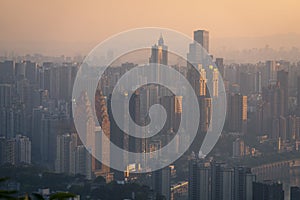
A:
[(150, 100), (75, 27)]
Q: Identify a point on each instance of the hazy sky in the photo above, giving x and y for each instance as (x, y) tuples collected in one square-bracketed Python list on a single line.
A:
[(44, 24)]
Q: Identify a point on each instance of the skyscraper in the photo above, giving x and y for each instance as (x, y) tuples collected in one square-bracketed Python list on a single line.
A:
[(215, 82), (298, 95), (220, 65), (238, 148), (267, 191), (161, 182), (210, 180), (282, 78), (159, 55), (295, 193), (243, 180), (199, 180), (23, 149), (271, 70), (202, 37), (237, 113)]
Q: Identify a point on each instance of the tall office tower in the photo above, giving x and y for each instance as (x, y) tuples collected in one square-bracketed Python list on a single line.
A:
[(216, 181), (159, 55), (23, 149), (275, 129), (104, 122), (199, 180), (72, 145), (135, 144), (63, 152), (83, 161), (205, 106), (202, 81), (282, 128), (31, 71), (197, 78), (197, 57), (168, 102), (258, 83), (6, 93), (36, 135), (215, 82), (45, 82), (238, 147), (267, 191), (117, 135), (291, 130), (222, 181), (247, 82), (177, 112), (20, 71), (297, 136), (298, 95), (295, 193), (237, 113), (271, 71), (227, 184), (67, 74), (202, 37), (282, 78), (7, 72), (6, 98), (50, 126), (220, 64), (259, 128), (243, 180), (161, 182)]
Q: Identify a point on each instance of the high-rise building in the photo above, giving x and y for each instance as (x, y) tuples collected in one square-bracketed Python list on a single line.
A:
[(258, 83), (237, 113), (7, 151), (161, 182), (271, 72), (243, 180), (83, 161), (31, 70), (15, 151), (282, 78), (63, 152), (238, 148), (298, 93), (199, 180), (202, 81), (6, 118), (215, 82), (104, 122), (205, 106), (220, 65), (202, 37), (295, 193), (159, 55), (23, 149), (7, 72), (267, 191), (210, 180)]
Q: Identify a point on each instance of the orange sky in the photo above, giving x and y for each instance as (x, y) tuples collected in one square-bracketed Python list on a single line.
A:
[(91, 21)]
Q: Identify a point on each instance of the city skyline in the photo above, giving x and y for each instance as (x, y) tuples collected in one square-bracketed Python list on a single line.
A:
[(75, 28)]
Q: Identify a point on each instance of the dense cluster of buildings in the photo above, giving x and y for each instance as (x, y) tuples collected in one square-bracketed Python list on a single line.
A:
[(262, 100)]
